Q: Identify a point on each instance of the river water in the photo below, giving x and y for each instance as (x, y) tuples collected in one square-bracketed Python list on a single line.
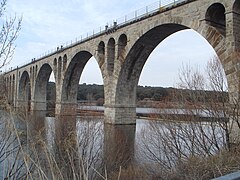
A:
[(77, 144)]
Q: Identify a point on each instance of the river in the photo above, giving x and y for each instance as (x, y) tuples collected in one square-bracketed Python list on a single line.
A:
[(79, 144)]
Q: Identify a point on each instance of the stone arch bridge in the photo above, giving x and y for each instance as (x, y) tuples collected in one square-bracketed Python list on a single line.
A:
[(121, 51)]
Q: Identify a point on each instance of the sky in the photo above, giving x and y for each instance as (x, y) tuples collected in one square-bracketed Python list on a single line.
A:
[(50, 23)]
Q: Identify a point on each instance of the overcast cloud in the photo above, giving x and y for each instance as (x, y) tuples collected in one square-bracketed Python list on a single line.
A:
[(50, 23)]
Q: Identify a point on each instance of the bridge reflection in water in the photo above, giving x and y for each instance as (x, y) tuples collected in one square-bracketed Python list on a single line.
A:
[(96, 147), (86, 145)]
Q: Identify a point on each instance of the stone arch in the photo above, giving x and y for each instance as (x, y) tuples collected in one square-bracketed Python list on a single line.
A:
[(236, 7), (55, 62), (122, 42), (72, 76), (24, 91), (215, 16), (7, 87), (126, 85), (236, 22), (55, 68), (10, 88), (138, 53), (64, 62), (110, 55), (59, 69), (40, 91), (13, 87), (70, 82), (33, 74), (101, 53)]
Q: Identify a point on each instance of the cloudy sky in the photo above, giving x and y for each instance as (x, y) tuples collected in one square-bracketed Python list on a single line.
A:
[(50, 23)]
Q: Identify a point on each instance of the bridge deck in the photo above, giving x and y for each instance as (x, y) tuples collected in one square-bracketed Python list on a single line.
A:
[(138, 15)]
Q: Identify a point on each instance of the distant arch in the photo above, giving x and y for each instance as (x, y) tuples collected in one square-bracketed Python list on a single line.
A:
[(33, 73), (110, 55), (236, 21), (55, 62), (64, 62), (122, 42), (72, 76), (59, 71), (236, 7), (215, 16), (40, 91), (13, 88), (101, 53), (7, 87), (10, 89), (55, 68), (24, 91)]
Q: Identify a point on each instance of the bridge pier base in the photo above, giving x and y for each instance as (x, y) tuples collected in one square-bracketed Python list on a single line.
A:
[(66, 109), (120, 114)]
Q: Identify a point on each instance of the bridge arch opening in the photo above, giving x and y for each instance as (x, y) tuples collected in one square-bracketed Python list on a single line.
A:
[(91, 90), (138, 55), (236, 7), (135, 60), (10, 90), (55, 66), (13, 88), (24, 91), (59, 68), (64, 62), (122, 42), (110, 55), (215, 16), (236, 21), (101, 53), (44, 97), (71, 91), (8, 87)]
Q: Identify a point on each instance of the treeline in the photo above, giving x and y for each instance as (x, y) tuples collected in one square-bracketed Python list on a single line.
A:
[(94, 92)]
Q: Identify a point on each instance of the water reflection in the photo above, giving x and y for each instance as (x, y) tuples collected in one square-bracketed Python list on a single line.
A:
[(89, 144), (118, 146), (78, 147)]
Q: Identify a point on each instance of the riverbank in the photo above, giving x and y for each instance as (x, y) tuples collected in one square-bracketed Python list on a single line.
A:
[(160, 114)]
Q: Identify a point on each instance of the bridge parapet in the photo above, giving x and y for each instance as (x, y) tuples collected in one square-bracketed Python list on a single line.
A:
[(137, 15)]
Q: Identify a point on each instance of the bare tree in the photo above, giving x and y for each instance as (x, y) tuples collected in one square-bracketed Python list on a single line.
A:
[(199, 129), (8, 34)]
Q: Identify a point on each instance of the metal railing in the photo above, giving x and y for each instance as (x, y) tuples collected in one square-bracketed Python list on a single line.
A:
[(149, 10)]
